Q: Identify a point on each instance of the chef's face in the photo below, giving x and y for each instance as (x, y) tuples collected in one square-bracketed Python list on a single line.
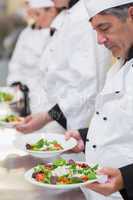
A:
[(113, 33), (61, 3), (43, 17), (30, 12)]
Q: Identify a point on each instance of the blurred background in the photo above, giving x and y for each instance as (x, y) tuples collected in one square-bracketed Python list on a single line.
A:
[(12, 22)]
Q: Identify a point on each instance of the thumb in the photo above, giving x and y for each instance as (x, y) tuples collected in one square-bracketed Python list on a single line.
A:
[(107, 171), (68, 135), (27, 119)]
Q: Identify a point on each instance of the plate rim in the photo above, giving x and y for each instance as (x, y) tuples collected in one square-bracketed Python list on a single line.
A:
[(7, 124)]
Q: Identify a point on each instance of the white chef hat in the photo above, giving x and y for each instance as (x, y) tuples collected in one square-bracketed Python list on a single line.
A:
[(40, 3), (96, 6)]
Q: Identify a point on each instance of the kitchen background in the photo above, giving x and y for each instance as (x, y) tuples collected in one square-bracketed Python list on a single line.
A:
[(12, 22)]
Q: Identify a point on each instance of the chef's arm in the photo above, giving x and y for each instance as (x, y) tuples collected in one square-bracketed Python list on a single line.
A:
[(80, 89), (76, 104)]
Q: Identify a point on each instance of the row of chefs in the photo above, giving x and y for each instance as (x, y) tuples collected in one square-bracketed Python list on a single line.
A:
[(58, 63)]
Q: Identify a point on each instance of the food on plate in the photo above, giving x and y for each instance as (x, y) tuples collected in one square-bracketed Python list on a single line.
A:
[(12, 119), (44, 145), (6, 97), (62, 172)]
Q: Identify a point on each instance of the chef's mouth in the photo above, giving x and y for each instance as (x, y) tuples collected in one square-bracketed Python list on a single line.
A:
[(109, 46)]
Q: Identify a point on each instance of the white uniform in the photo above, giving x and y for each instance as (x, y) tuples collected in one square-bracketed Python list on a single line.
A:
[(74, 68), (23, 66), (111, 130)]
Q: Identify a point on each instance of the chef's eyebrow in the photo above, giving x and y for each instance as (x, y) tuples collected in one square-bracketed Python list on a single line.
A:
[(103, 25)]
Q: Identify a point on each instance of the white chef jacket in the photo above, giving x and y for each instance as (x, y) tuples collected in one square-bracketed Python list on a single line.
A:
[(111, 130), (23, 66), (74, 68)]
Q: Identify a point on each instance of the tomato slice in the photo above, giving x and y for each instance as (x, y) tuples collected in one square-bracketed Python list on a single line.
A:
[(40, 177)]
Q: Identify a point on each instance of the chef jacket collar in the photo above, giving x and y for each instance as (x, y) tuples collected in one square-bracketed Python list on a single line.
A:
[(58, 21), (72, 3), (130, 54)]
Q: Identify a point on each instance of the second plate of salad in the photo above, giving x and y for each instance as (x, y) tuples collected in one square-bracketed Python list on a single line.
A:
[(10, 121), (44, 145)]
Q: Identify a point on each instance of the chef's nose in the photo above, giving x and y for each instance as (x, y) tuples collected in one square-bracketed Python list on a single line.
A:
[(101, 39)]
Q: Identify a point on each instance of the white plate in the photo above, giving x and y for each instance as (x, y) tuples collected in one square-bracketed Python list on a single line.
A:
[(28, 177), (22, 140), (7, 125)]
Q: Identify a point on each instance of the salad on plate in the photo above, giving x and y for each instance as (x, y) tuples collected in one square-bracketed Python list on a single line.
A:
[(63, 174), (10, 120), (6, 96), (44, 145)]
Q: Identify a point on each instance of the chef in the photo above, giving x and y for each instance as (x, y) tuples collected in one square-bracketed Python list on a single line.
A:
[(23, 67), (109, 141), (74, 69)]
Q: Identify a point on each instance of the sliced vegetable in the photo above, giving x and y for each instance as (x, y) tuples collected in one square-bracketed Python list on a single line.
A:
[(40, 177)]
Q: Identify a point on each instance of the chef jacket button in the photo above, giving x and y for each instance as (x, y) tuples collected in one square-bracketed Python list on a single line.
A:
[(94, 146), (117, 92), (97, 113), (87, 140), (105, 118)]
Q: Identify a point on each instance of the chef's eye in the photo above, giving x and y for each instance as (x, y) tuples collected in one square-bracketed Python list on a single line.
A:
[(104, 27), (37, 14), (47, 9)]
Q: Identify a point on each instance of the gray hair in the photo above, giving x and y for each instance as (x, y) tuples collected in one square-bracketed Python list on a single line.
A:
[(120, 12)]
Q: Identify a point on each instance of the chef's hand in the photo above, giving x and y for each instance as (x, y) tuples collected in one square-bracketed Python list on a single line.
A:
[(34, 122), (75, 135), (114, 184)]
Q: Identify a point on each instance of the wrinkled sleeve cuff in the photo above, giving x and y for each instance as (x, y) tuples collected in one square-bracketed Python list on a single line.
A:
[(57, 115), (83, 134), (127, 174)]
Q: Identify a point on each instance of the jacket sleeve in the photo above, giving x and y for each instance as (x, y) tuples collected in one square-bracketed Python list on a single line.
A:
[(85, 75), (57, 115), (83, 134), (127, 173)]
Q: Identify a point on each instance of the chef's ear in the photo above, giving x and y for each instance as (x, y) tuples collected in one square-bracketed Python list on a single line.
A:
[(130, 13)]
